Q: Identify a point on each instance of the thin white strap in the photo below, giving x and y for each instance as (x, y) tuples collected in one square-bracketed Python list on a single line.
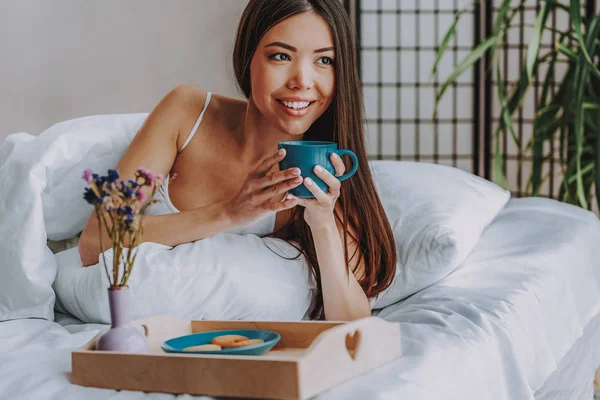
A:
[(195, 128)]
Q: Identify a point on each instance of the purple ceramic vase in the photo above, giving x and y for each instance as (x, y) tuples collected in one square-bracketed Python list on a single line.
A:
[(122, 336)]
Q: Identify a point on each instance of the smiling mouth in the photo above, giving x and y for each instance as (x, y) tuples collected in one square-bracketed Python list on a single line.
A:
[(296, 105)]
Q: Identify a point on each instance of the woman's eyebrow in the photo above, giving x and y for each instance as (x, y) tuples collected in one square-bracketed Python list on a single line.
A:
[(292, 48), (324, 49)]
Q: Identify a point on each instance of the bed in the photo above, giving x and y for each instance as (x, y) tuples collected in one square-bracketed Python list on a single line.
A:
[(506, 306), (517, 319)]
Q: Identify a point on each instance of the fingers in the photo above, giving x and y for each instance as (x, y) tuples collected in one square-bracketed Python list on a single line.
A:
[(276, 191), (276, 178), (288, 202), (330, 180), (319, 194), (299, 200), (338, 164), (269, 162)]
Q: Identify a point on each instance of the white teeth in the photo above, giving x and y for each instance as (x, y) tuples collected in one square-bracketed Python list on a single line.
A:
[(296, 105)]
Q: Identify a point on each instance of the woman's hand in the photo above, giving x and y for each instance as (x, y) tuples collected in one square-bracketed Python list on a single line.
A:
[(262, 192), (319, 211)]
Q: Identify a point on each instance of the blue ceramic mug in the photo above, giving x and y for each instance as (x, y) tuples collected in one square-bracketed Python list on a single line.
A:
[(306, 154)]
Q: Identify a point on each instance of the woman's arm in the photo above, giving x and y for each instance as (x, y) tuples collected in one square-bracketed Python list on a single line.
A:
[(343, 297), (155, 148), (170, 230)]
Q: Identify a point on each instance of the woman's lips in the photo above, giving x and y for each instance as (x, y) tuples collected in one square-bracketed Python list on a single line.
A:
[(293, 112)]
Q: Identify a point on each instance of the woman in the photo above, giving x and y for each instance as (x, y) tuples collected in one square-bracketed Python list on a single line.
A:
[(295, 61)]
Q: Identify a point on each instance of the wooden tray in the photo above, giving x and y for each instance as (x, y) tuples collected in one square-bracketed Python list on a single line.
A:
[(312, 356)]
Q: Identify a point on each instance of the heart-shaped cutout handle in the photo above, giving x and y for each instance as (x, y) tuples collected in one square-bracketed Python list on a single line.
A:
[(352, 343)]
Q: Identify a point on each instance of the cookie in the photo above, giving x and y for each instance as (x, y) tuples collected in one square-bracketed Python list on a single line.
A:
[(226, 341), (203, 347), (248, 342)]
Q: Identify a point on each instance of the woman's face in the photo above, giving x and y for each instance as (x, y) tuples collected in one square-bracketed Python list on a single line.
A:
[(292, 73)]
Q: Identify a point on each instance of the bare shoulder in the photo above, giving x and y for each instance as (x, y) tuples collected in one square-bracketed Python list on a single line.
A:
[(224, 112), (192, 99), (187, 97), (185, 101)]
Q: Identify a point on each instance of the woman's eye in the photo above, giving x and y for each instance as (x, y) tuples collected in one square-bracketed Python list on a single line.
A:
[(326, 60), (279, 57)]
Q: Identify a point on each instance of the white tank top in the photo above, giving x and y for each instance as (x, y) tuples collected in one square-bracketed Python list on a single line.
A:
[(164, 205)]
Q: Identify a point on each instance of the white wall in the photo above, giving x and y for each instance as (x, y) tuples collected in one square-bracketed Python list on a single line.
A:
[(62, 59)]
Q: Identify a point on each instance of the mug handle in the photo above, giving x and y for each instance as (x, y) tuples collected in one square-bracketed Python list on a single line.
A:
[(354, 163)]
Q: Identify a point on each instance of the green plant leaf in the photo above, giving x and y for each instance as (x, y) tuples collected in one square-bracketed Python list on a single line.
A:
[(506, 116), (584, 170), (557, 4), (537, 151), (548, 109), (501, 25), (513, 102), (591, 106), (581, 76), (465, 64), (535, 39), (545, 122), (517, 95), (501, 17), (546, 127), (444, 45), (592, 44), (571, 55), (575, 11), (579, 143), (597, 168), (498, 170), (560, 32)]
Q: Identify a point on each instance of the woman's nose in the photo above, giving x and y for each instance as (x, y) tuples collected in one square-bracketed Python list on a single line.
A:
[(301, 77)]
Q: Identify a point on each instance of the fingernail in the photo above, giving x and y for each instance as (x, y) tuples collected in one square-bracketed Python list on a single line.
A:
[(281, 152), (334, 155), (308, 181), (296, 171), (290, 197), (318, 169)]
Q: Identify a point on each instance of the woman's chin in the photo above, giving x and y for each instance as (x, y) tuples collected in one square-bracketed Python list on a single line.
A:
[(294, 135), (296, 129)]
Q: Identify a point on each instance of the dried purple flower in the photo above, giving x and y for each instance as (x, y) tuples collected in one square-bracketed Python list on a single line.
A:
[(90, 196), (113, 175), (120, 203), (87, 175), (140, 196)]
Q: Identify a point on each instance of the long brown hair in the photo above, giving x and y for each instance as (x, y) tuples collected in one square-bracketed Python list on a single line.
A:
[(342, 123)]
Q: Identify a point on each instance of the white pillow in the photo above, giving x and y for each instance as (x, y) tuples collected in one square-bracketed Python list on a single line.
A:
[(437, 214), (226, 276), (40, 202)]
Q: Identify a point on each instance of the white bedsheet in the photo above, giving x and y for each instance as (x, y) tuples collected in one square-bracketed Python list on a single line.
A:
[(496, 328), (530, 287), (573, 379)]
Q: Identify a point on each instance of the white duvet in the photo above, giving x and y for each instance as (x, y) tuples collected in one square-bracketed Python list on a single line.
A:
[(437, 215), (486, 310), (495, 328)]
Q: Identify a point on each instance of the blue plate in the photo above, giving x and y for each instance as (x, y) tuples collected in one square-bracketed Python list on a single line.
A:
[(178, 344)]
